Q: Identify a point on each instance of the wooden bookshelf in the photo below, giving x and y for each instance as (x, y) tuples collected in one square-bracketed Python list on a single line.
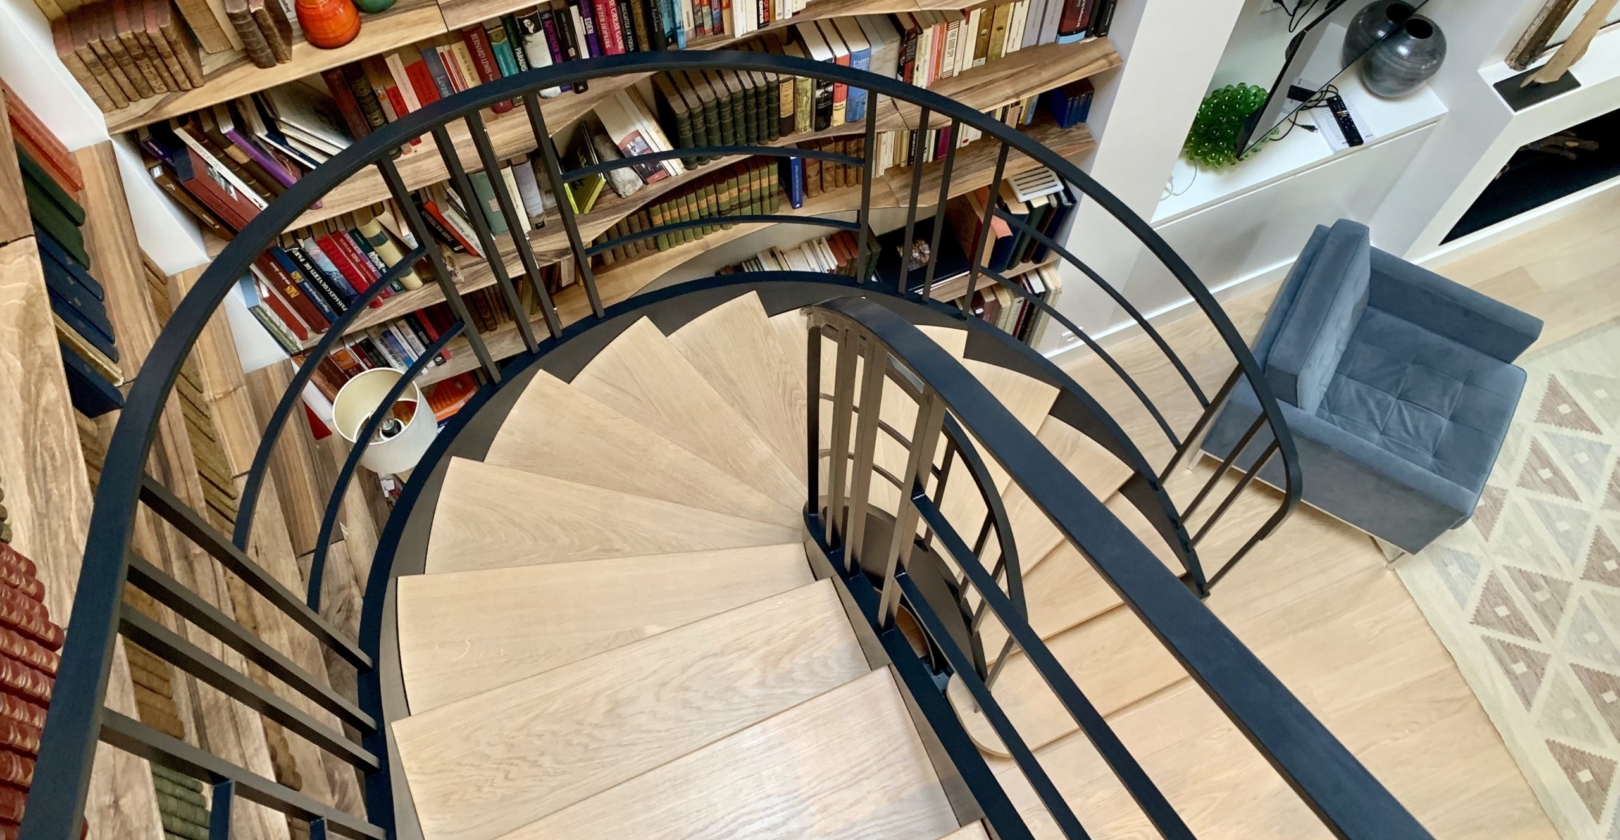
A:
[(1015, 77), (230, 75), (954, 288), (974, 168), (510, 134)]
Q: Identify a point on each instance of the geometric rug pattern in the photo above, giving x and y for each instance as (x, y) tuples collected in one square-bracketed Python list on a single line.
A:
[(1526, 595)]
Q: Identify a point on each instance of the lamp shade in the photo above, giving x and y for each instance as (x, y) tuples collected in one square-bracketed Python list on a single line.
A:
[(397, 447)]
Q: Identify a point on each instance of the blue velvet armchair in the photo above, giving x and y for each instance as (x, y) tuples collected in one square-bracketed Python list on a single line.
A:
[(1397, 384)]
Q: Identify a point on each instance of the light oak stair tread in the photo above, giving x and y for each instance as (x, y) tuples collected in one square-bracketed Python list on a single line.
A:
[(465, 633), (1210, 773), (644, 377), (737, 351), (497, 762), (1113, 658), (845, 765), (974, 831), (1028, 400), (558, 430), (792, 329), (1088, 461), (492, 517)]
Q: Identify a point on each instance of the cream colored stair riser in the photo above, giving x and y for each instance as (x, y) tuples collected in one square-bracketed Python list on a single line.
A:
[(556, 429), (643, 376), (499, 761), (492, 517), (737, 351), (465, 633), (845, 765)]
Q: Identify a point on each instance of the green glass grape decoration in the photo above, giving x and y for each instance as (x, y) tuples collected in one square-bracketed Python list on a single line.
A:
[(1213, 139)]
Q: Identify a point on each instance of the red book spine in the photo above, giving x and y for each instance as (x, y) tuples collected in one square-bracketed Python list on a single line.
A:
[(348, 107), (1073, 18), (26, 584), (19, 737), (484, 59), (284, 313), (607, 12), (292, 294), (25, 682), (340, 258), (16, 770), (22, 711), (421, 78), (14, 559), (26, 616), (29, 653), (438, 216), (346, 243)]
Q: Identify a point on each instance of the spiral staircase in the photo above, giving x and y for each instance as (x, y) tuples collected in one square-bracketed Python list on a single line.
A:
[(766, 555)]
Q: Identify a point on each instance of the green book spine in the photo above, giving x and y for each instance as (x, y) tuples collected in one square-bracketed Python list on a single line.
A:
[(32, 171), (750, 104), (711, 207), (658, 219), (769, 111), (728, 197), (484, 191), (514, 37), (739, 114), (690, 213), (55, 222)]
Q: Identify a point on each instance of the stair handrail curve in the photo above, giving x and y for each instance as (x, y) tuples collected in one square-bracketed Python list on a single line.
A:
[(77, 719), (1348, 800)]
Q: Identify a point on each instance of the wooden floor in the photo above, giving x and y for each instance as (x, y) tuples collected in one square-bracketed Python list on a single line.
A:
[(1317, 603)]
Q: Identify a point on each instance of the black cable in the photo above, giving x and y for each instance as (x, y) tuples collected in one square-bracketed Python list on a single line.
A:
[(1317, 100)]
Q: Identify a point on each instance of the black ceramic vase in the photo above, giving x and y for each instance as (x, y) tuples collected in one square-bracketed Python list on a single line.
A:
[(1370, 25), (1406, 58)]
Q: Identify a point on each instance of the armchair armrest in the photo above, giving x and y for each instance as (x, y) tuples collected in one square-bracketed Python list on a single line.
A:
[(1450, 309)]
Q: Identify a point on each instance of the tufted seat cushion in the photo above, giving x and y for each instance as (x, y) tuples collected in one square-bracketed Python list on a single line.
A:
[(1438, 404)]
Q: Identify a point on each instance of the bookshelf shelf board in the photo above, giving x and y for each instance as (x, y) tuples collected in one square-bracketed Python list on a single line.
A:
[(974, 168), (230, 75), (550, 243), (1014, 77), (954, 288), (460, 13)]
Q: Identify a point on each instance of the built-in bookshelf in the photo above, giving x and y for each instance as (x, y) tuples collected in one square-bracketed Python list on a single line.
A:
[(974, 168)]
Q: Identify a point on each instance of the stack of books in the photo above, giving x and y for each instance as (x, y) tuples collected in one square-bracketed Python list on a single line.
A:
[(749, 188), (123, 51), (29, 642), (52, 185), (1013, 313), (1039, 200), (302, 285), (835, 254), (808, 177)]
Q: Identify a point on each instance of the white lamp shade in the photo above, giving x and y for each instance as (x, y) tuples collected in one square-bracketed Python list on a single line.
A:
[(358, 399)]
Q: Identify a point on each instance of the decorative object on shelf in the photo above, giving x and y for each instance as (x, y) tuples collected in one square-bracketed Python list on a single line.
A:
[(372, 7), (1406, 58), (1212, 142), (1538, 33), (328, 24), (1372, 24), (1575, 46)]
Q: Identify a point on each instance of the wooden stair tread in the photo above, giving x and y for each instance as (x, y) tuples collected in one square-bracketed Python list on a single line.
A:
[(465, 633), (845, 765), (974, 831), (1216, 780), (1028, 400), (1114, 660), (1088, 461), (558, 430), (734, 347), (643, 376), (492, 517), (499, 761)]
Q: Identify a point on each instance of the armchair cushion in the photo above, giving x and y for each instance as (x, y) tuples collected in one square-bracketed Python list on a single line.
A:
[(1425, 398), (1450, 309), (1318, 326)]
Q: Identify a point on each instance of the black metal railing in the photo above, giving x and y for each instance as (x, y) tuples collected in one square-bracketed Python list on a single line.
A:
[(951, 404), (126, 492)]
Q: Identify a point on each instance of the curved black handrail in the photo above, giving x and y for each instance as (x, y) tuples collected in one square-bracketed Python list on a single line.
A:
[(1330, 780), (76, 715)]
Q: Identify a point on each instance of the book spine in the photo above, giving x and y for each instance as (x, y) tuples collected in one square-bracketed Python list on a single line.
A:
[(294, 272), (514, 39), (607, 26), (322, 285), (354, 119), (553, 41), (586, 11), (483, 54), (569, 40), (627, 23), (436, 71)]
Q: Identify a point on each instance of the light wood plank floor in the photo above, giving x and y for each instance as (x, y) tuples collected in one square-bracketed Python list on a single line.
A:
[(1317, 603)]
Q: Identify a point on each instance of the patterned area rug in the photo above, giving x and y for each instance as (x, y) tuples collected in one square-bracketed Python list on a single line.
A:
[(1526, 596)]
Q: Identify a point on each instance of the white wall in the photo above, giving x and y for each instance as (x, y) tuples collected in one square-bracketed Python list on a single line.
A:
[(1140, 115)]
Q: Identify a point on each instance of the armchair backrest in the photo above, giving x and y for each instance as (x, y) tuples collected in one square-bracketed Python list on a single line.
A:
[(1310, 328)]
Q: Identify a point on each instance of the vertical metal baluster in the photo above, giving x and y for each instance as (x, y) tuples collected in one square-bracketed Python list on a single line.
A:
[(866, 429), (869, 153), (441, 272), (509, 209), (486, 237), (219, 811), (837, 464), (984, 226), (924, 440), (812, 420), (917, 138), (317, 829), (939, 210), (939, 488), (542, 136)]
